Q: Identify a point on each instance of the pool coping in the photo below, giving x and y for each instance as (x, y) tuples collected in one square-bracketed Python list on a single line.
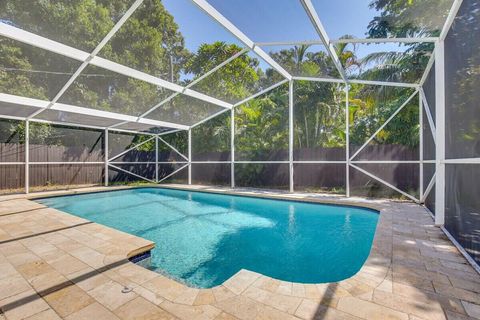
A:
[(376, 274), (372, 204)]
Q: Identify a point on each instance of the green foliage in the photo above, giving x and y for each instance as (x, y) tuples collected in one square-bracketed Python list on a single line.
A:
[(261, 125), (152, 42), (234, 81), (401, 18), (301, 61), (319, 114), (212, 136), (370, 107)]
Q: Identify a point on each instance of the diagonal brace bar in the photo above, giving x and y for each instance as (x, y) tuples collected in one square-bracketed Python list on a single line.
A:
[(173, 148), (385, 124), (132, 148)]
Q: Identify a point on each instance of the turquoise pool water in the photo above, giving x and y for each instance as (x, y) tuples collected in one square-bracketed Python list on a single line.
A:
[(203, 239)]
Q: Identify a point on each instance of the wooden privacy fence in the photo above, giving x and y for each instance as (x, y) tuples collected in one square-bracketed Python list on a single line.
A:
[(307, 176)]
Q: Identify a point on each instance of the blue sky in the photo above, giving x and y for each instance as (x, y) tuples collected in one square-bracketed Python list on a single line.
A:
[(274, 20)]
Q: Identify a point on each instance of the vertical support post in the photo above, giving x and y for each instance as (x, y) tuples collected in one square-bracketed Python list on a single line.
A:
[(189, 156), (232, 148), (106, 157), (27, 156), (156, 158), (440, 133), (347, 140), (290, 133), (420, 116)]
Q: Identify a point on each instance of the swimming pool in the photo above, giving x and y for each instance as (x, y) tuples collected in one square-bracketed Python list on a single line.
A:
[(202, 239)]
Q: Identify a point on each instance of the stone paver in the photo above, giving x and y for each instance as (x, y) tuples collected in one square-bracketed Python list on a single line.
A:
[(57, 266)]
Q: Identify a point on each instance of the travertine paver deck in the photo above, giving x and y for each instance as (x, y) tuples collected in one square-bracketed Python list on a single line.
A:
[(54, 265)]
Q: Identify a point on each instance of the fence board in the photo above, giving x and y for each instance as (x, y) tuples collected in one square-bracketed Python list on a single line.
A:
[(306, 176)]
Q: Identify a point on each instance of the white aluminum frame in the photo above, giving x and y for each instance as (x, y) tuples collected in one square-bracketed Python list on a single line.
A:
[(290, 135), (322, 33), (217, 16), (420, 117), (384, 124), (27, 157), (92, 58), (440, 133)]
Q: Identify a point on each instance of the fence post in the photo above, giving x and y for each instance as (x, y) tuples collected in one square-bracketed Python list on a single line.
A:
[(27, 156), (106, 157)]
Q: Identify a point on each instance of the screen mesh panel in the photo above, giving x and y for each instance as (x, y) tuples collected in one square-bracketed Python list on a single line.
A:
[(268, 20), (239, 79), (462, 75), (50, 143), (399, 140), (211, 140), (362, 185), (428, 172), (12, 179), (462, 206), (328, 178), (304, 60), (31, 72), (370, 107), (319, 121), (116, 176), (121, 142), (166, 171), (184, 110), (173, 39), (45, 177), (101, 89), (404, 176), (261, 175), (462, 80), (428, 141), (12, 141), (429, 90), (216, 174), (261, 127), (379, 19), (81, 26), (386, 61), (179, 141), (180, 177)]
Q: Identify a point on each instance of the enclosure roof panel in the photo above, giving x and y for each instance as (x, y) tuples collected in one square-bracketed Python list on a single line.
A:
[(173, 40), (268, 20), (383, 19), (241, 78), (184, 110), (389, 62), (141, 64), (300, 60), (80, 24), (102, 89)]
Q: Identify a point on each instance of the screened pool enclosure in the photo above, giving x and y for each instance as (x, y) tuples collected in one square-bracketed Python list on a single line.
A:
[(359, 98)]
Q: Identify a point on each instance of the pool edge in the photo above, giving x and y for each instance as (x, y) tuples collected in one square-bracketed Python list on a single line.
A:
[(340, 201)]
